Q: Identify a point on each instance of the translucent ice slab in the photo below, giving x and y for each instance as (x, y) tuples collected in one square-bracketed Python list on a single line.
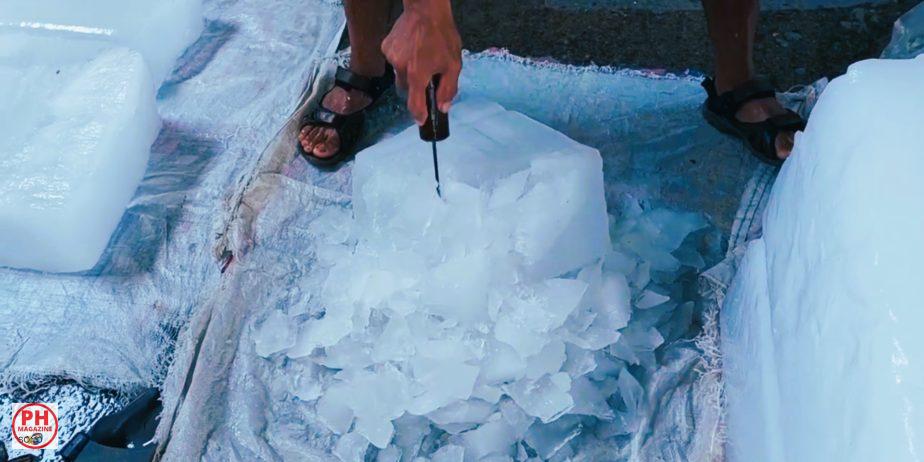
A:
[(160, 30), (824, 358), (497, 151), (73, 147)]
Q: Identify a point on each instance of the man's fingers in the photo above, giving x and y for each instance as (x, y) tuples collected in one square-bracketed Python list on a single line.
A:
[(401, 79), (392, 55), (449, 86), (417, 98)]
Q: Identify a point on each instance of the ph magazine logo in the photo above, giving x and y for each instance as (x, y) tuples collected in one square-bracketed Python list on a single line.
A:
[(35, 426)]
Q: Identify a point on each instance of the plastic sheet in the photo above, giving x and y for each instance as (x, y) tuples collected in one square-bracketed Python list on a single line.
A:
[(113, 326), (655, 147)]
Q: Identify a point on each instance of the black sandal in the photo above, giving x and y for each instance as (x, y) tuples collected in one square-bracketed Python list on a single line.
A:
[(760, 137), (348, 126)]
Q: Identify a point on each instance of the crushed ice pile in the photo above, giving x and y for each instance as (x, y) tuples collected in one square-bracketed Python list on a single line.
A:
[(78, 86), (497, 323), (821, 331)]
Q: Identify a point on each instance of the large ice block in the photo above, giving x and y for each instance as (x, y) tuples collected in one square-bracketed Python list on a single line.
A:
[(159, 30), (74, 145), (526, 167), (822, 331)]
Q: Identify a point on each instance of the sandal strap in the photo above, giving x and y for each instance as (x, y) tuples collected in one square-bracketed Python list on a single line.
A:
[(372, 86), (349, 80), (729, 102), (788, 122), (323, 117), (756, 88), (763, 138)]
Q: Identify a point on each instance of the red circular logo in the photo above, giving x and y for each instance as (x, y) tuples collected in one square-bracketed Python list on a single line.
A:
[(37, 425)]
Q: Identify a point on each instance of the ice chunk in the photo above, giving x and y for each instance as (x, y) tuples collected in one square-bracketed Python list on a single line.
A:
[(535, 311), (650, 298), (502, 364), (547, 361), (334, 410), (395, 342), (389, 454), (351, 448), (590, 399), (75, 145), (548, 439), (442, 382), (492, 438), (656, 234), (410, 432), (579, 361), (631, 392), (306, 388), (518, 420), (159, 30), (907, 35), (274, 335), (462, 413), (377, 398), (449, 453), (824, 339), (485, 150), (546, 398)]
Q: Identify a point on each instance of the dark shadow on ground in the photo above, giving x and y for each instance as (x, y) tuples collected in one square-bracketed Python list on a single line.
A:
[(793, 46)]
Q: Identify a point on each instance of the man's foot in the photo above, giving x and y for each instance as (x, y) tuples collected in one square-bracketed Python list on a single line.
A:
[(759, 110), (324, 142)]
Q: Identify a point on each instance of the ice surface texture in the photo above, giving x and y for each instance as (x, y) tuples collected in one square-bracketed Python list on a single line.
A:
[(159, 29), (81, 81), (821, 332), (75, 145), (492, 315)]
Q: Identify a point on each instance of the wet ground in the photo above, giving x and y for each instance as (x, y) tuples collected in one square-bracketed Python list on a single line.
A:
[(793, 46)]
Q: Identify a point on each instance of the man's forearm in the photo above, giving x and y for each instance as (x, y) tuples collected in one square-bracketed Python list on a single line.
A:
[(429, 7)]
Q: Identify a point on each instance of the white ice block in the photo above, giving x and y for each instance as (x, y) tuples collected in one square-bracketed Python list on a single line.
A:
[(159, 30), (74, 145), (822, 333), (527, 168)]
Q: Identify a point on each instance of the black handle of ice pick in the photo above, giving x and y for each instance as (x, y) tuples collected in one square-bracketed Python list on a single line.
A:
[(436, 128)]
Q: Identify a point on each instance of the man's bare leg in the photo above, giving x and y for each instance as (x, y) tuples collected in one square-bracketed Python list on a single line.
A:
[(732, 26), (367, 24)]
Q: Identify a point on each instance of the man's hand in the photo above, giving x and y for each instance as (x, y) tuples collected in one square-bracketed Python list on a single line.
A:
[(424, 42)]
